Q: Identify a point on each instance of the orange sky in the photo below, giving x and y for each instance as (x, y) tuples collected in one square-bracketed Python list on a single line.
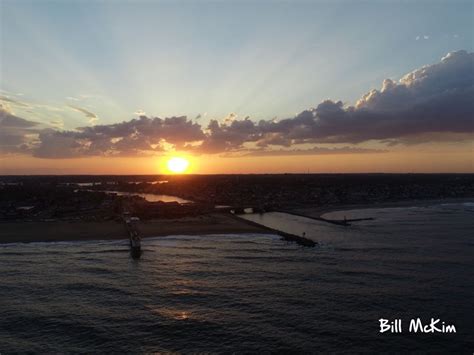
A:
[(451, 159), (323, 88)]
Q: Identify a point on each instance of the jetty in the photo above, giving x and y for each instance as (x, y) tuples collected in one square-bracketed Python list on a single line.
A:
[(340, 222), (301, 240)]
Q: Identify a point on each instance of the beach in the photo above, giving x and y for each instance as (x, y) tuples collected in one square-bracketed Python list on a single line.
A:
[(54, 231), (215, 223)]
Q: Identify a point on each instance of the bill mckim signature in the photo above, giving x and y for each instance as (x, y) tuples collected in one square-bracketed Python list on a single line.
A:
[(416, 326)]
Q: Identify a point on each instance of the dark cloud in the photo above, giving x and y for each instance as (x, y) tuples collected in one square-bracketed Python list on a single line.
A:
[(57, 144), (433, 103), (228, 136), (14, 132), (435, 98), (136, 137)]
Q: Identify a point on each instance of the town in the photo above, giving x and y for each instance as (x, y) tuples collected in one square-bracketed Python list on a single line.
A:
[(95, 198)]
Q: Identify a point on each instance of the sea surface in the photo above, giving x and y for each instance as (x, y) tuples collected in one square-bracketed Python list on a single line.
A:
[(248, 293)]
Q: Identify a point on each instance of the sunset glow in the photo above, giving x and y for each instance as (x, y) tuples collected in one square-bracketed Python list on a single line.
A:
[(200, 164), (245, 96), (177, 165)]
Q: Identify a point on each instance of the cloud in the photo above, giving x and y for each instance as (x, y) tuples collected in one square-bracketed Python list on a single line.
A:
[(8, 102), (57, 123), (90, 115), (56, 144), (438, 137), (140, 136), (15, 132), (228, 136), (13, 101), (434, 98), (310, 151), (430, 104), (425, 37)]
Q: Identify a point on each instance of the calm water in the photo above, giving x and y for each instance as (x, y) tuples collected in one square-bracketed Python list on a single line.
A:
[(151, 197), (247, 293), (83, 184)]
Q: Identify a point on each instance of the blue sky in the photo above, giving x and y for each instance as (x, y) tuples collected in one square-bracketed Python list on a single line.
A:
[(259, 58)]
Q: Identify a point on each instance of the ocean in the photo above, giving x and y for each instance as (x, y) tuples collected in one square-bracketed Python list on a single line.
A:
[(248, 293)]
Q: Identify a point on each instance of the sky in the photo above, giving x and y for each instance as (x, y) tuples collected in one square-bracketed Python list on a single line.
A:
[(117, 87)]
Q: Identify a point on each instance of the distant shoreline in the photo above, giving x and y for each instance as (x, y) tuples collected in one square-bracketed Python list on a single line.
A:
[(320, 211)]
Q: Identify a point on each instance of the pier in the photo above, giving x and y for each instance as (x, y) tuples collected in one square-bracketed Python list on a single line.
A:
[(133, 234)]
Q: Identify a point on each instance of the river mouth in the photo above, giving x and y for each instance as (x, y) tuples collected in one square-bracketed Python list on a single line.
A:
[(149, 197), (152, 197)]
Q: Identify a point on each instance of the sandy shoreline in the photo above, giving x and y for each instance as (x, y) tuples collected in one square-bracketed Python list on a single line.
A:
[(218, 223), (319, 211)]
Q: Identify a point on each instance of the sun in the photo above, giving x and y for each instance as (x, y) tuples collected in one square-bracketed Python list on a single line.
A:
[(177, 165)]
